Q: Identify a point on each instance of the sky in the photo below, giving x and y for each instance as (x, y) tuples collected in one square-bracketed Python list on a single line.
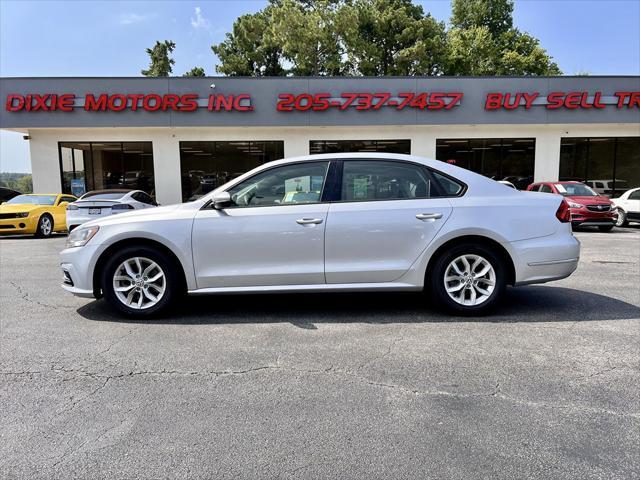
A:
[(108, 38)]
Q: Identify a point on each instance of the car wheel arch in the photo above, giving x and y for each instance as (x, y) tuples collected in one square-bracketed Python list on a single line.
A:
[(478, 240), (134, 242)]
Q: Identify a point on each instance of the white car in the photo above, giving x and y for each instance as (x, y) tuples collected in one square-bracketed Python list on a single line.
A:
[(507, 183), (102, 203), (628, 207), (333, 222)]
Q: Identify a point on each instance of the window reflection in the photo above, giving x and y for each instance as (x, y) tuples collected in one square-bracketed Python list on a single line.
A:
[(340, 146), (106, 165), (609, 165), (510, 159), (204, 166)]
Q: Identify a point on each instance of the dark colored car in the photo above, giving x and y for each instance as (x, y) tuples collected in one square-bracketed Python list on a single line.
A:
[(588, 208), (7, 194)]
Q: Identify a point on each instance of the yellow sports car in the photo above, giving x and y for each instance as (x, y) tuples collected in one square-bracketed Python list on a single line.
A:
[(37, 214)]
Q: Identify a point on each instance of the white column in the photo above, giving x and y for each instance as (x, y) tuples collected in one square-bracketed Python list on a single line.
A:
[(295, 145), (423, 145), (547, 161), (45, 163), (166, 169)]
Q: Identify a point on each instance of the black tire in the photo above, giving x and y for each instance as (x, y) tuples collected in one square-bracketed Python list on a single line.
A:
[(437, 279), (605, 228), (45, 226), (622, 218), (173, 285)]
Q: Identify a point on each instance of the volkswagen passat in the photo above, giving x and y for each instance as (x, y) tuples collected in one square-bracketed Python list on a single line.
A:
[(356, 222)]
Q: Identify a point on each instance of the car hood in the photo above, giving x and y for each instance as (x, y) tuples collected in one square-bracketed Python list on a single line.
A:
[(589, 200), (135, 215), (19, 207)]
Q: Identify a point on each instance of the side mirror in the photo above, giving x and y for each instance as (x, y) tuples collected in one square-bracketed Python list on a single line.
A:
[(63, 204), (221, 200)]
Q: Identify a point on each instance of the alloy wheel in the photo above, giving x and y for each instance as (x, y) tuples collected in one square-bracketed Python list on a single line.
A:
[(45, 226), (139, 283), (469, 280)]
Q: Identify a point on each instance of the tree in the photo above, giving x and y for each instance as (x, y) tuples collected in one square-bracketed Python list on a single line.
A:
[(161, 62), (392, 37), (308, 36), (195, 72), (250, 50), (483, 41), (380, 37), (25, 184)]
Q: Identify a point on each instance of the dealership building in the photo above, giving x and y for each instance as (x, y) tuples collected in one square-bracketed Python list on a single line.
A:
[(178, 137)]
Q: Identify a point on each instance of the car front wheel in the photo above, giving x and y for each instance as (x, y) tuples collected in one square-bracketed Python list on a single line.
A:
[(140, 282), (45, 226), (468, 279), (622, 218)]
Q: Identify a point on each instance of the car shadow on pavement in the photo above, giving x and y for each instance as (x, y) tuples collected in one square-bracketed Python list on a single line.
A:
[(523, 304)]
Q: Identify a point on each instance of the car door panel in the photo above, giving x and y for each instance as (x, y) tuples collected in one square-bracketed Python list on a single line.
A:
[(259, 246), (378, 241)]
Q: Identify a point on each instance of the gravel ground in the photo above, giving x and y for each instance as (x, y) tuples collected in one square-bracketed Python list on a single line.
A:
[(324, 386)]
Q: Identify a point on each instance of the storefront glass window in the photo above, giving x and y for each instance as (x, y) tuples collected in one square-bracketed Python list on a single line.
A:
[(608, 165), (106, 165), (340, 146), (510, 159), (205, 166)]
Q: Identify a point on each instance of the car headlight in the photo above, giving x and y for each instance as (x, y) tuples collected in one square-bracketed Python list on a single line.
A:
[(80, 236), (22, 215), (575, 205)]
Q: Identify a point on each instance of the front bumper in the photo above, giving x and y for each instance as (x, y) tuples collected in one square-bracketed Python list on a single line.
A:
[(586, 218), (19, 225), (77, 266)]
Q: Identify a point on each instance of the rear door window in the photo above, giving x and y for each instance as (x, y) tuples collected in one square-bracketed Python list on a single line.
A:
[(546, 188), (369, 180)]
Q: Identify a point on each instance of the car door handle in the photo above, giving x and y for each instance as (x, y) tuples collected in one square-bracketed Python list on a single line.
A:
[(308, 221), (428, 216)]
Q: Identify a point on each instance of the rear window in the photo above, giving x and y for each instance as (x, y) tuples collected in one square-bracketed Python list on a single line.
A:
[(104, 196)]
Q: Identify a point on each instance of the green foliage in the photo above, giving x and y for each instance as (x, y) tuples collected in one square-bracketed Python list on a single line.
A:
[(391, 37), (307, 34), (380, 37), (195, 72), (250, 49), (161, 62), (483, 41), (22, 182)]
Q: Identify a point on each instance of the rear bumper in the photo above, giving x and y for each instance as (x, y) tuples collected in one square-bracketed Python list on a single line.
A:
[(545, 259)]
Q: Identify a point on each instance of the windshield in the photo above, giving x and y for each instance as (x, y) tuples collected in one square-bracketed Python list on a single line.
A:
[(34, 199), (575, 190)]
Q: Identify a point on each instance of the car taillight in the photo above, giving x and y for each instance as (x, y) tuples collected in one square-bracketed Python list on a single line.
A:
[(121, 207), (563, 213)]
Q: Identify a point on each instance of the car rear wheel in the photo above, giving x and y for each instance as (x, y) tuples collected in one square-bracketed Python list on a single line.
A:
[(622, 218), (140, 282), (45, 226), (468, 279), (605, 228)]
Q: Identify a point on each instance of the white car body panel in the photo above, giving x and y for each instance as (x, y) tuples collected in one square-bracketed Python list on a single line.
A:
[(259, 246), (375, 245), (377, 241), (630, 206)]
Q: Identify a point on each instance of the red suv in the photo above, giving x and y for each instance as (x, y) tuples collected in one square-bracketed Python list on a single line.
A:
[(586, 206)]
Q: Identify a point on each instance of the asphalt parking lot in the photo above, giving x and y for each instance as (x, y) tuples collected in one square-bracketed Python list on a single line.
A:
[(324, 386)]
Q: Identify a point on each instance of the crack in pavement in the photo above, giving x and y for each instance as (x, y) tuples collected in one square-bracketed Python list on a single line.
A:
[(27, 298)]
